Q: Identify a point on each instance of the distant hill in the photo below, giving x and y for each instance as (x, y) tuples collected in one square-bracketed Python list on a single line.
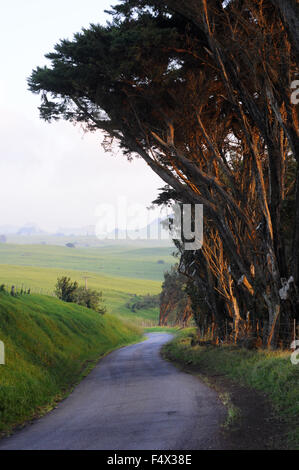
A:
[(86, 231), (8, 229), (29, 230), (154, 231)]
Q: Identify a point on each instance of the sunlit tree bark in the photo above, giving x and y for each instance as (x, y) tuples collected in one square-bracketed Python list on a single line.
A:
[(201, 92)]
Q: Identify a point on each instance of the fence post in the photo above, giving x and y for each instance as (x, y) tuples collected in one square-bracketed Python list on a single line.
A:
[(2, 353)]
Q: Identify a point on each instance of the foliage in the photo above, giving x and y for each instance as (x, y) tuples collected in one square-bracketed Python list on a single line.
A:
[(70, 291), (141, 302), (89, 298), (65, 289), (175, 303), (70, 245)]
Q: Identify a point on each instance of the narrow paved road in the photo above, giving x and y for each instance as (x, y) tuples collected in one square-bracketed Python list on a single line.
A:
[(132, 400)]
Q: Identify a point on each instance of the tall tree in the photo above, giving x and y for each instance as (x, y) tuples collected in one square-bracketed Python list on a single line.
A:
[(201, 91)]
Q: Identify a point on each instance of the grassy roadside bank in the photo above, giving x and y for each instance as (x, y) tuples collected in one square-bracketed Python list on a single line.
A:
[(269, 372), (49, 347)]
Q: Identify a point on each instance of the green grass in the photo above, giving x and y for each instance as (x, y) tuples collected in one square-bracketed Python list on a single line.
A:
[(49, 345), (268, 371), (117, 261), (162, 329), (119, 271), (117, 291)]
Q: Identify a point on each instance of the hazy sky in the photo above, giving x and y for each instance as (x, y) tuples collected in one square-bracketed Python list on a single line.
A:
[(53, 175)]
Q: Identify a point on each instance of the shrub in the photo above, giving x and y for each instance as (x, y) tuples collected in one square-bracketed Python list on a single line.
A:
[(65, 289), (69, 291), (89, 298), (141, 302)]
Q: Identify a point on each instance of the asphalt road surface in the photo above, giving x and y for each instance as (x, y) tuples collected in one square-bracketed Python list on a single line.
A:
[(132, 400)]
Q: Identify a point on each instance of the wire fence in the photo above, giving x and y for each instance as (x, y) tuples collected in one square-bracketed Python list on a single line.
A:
[(254, 336), (24, 289)]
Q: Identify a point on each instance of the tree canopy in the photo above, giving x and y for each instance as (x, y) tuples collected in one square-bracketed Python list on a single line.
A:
[(201, 91)]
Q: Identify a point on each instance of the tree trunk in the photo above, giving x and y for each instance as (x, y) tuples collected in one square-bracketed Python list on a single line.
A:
[(295, 248), (236, 312), (273, 303), (289, 11)]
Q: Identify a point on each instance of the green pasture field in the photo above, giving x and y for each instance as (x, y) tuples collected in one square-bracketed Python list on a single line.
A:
[(116, 260), (116, 291), (119, 271)]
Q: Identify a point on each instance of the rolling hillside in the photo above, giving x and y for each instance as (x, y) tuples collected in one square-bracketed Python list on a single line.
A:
[(119, 261), (116, 291), (118, 271)]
